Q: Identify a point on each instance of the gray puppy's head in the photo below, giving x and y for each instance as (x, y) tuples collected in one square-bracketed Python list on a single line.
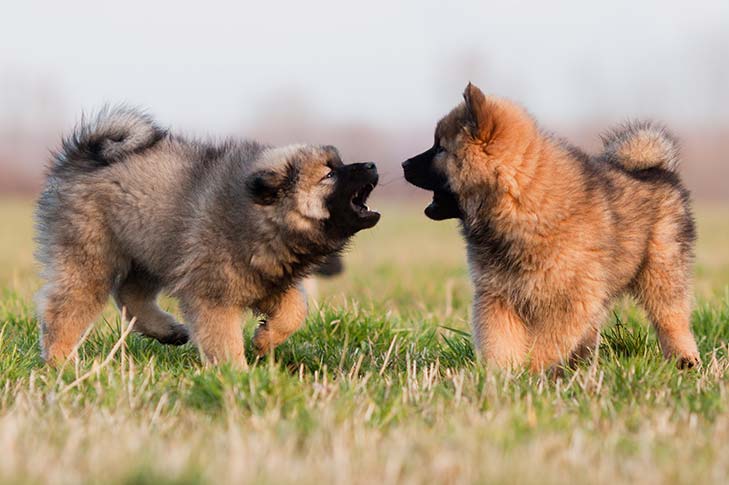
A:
[(309, 190)]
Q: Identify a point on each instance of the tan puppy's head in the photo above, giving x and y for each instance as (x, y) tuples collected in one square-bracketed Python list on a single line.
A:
[(472, 146), (309, 189)]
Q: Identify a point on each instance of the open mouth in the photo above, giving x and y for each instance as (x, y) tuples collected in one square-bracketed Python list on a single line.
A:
[(359, 201), (443, 206)]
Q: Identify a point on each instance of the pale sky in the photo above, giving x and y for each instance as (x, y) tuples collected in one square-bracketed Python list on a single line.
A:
[(213, 65)]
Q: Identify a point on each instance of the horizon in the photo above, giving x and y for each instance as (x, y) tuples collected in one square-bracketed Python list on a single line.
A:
[(379, 63)]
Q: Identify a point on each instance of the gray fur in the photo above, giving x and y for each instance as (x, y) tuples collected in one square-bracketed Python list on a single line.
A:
[(131, 210), (115, 132)]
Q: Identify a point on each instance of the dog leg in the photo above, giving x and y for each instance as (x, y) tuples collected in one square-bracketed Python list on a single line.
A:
[(566, 334), (68, 304), (663, 292), (663, 287), (587, 347), (285, 316), (138, 293), (500, 335), (216, 330)]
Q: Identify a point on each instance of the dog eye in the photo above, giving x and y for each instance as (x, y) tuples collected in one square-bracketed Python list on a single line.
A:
[(440, 149), (329, 175)]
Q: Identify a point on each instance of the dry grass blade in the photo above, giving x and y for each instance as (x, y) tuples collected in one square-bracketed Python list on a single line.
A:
[(96, 369), (400, 399), (387, 355)]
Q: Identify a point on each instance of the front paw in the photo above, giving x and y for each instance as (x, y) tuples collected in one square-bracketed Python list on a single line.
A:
[(262, 340), (689, 361)]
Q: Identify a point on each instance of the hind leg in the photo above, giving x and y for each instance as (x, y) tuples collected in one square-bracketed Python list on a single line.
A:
[(73, 298), (663, 285), (664, 292), (138, 293)]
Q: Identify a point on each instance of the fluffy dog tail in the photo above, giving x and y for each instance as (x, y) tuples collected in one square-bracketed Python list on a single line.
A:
[(110, 136), (639, 145)]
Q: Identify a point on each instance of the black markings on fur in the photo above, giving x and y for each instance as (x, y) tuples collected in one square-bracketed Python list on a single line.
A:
[(212, 152), (90, 144), (687, 233), (656, 176), (264, 187), (490, 245), (619, 137), (268, 186), (291, 178), (331, 266)]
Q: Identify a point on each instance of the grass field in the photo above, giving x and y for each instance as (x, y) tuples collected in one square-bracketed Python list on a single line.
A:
[(380, 386)]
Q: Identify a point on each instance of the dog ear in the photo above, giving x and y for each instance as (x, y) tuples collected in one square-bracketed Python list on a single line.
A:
[(264, 186), (480, 113)]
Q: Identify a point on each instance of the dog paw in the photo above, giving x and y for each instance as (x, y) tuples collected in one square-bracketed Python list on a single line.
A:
[(688, 362), (262, 339), (178, 335)]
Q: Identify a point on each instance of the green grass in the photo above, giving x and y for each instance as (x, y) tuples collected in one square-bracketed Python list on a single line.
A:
[(380, 386)]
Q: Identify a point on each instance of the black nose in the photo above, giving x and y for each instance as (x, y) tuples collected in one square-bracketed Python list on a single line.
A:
[(406, 163)]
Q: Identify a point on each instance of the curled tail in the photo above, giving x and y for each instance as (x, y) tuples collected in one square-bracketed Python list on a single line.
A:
[(638, 145), (110, 136)]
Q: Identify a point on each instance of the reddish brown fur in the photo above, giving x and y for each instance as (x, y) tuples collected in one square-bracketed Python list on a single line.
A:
[(554, 236)]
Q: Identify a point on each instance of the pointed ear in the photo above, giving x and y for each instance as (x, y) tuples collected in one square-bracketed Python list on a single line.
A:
[(480, 112), (264, 186)]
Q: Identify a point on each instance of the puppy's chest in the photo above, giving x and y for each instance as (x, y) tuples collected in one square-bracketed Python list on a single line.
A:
[(519, 277), (269, 268)]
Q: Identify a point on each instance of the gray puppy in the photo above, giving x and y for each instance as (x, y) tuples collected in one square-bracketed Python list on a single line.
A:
[(131, 210)]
